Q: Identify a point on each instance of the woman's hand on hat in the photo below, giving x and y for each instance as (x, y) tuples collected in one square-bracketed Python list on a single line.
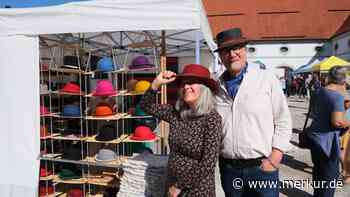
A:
[(164, 77)]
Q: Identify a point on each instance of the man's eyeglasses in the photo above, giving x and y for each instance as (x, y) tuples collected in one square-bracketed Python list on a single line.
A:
[(228, 49)]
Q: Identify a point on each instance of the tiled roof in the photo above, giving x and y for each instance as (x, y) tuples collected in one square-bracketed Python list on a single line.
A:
[(280, 20)]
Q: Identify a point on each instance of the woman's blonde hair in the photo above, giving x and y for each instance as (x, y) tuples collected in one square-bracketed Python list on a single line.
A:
[(204, 104)]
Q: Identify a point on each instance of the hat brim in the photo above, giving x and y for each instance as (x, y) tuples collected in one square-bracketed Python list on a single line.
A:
[(71, 91), (141, 66), (232, 43), (97, 115), (210, 83), (104, 139), (109, 160), (112, 93), (152, 137)]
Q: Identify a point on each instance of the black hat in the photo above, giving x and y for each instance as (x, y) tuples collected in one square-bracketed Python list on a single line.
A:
[(106, 132), (73, 152), (230, 38)]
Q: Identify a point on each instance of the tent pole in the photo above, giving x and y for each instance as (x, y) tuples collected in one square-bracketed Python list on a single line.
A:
[(197, 50), (164, 127)]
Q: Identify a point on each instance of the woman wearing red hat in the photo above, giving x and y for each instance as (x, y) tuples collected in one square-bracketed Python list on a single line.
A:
[(195, 130)]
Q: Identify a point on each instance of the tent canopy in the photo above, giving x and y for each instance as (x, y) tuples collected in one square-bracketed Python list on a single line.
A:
[(328, 63), (19, 49), (110, 16)]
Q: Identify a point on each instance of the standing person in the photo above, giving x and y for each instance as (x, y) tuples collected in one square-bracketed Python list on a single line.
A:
[(328, 121), (195, 130), (344, 140), (257, 124)]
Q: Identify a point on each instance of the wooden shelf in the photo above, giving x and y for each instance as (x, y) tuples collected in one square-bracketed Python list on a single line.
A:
[(127, 139), (117, 116), (57, 179), (68, 93), (47, 178), (115, 141), (114, 164), (90, 161), (103, 180), (71, 71), (54, 114), (121, 93), (58, 136)]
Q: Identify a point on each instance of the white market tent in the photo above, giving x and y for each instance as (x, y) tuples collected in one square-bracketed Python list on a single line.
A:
[(19, 65)]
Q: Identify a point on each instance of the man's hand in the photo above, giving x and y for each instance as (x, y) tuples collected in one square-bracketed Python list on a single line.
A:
[(273, 161), (267, 166), (173, 191)]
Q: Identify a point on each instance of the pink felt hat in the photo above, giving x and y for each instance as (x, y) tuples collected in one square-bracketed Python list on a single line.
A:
[(143, 133), (104, 88), (43, 110)]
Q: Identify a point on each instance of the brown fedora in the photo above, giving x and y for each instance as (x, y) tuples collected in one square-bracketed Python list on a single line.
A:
[(230, 38)]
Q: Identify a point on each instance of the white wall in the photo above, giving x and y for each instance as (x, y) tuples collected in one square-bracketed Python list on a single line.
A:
[(206, 60), (343, 42), (299, 53)]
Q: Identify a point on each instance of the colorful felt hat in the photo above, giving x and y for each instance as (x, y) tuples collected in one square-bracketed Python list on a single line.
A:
[(142, 86), (76, 192), (130, 85), (72, 153), (106, 133), (105, 64), (67, 174), (105, 155), (44, 172), (140, 62), (45, 190), (71, 87), (43, 110), (71, 110), (198, 74), (143, 133), (44, 131), (103, 109), (104, 88)]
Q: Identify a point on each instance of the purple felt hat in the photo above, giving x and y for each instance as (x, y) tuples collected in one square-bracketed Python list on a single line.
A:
[(141, 62)]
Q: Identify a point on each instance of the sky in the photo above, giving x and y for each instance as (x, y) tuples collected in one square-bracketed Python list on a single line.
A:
[(32, 3)]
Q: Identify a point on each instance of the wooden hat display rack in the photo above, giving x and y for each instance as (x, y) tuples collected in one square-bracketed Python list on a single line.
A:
[(77, 126)]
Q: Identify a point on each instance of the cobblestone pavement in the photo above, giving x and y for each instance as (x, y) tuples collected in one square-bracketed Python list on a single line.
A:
[(296, 165)]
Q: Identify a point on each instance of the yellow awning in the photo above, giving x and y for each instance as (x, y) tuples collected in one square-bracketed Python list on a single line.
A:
[(328, 63)]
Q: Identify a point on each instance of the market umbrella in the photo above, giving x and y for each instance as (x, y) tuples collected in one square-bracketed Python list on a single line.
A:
[(328, 63)]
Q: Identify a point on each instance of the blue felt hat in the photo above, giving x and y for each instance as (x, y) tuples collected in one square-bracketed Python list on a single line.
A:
[(71, 110), (105, 64)]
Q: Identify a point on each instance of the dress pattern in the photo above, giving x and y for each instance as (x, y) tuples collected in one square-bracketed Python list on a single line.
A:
[(194, 147)]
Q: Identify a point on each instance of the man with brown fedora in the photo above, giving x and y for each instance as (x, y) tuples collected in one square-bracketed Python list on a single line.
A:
[(257, 124)]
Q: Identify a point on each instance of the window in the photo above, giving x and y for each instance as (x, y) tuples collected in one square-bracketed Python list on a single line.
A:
[(319, 49), (251, 49), (284, 50)]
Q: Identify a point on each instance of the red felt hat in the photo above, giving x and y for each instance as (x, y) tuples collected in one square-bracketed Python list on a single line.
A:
[(71, 87), (43, 131), (44, 172), (75, 193), (199, 74), (45, 191), (143, 133), (43, 110)]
